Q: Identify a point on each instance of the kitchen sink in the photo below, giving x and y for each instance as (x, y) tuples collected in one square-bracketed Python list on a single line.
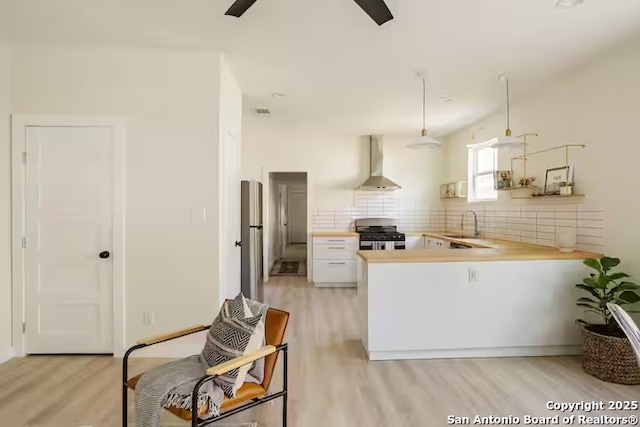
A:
[(455, 236)]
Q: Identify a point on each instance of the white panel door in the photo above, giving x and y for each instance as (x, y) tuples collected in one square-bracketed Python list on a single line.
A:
[(68, 228), (297, 223), (231, 196)]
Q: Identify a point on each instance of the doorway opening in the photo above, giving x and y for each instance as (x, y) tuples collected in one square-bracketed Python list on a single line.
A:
[(288, 223)]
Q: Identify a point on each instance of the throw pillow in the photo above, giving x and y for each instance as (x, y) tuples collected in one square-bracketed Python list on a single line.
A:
[(256, 372), (256, 342), (232, 334)]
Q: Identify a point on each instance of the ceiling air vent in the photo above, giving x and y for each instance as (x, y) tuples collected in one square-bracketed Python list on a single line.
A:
[(261, 111)]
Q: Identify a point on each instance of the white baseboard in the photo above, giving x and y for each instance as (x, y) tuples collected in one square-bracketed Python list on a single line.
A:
[(7, 355), (560, 350)]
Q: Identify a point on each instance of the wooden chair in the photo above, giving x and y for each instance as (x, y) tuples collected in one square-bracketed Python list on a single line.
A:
[(248, 396)]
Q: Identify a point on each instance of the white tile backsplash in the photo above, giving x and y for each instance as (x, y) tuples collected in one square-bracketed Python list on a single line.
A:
[(536, 224)]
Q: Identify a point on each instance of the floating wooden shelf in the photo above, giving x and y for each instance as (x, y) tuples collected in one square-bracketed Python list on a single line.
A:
[(514, 188), (549, 197)]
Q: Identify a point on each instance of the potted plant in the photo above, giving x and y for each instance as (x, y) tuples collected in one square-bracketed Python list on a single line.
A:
[(607, 353)]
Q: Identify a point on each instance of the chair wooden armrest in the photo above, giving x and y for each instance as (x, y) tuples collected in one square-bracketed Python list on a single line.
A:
[(171, 335), (239, 361)]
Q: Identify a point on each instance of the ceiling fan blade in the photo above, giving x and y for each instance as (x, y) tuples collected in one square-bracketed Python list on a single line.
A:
[(376, 9), (239, 7)]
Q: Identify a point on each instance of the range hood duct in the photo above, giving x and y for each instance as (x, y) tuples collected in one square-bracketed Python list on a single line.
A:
[(377, 180)]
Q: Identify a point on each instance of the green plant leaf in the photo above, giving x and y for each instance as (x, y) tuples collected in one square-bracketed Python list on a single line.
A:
[(608, 263), (618, 276), (624, 286), (584, 304), (587, 300), (591, 282), (603, 281), (629, 297), (588, 289), (593, 263)]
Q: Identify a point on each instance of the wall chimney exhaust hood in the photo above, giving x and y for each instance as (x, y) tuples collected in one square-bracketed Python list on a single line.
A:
[(377, 180)]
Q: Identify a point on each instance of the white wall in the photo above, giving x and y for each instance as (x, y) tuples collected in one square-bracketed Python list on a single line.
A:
[(337, 163), (229, 164), (5, 205), (172, 104), (596, 104)]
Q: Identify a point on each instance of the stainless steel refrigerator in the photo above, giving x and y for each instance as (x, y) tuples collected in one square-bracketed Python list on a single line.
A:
[(251, 239)]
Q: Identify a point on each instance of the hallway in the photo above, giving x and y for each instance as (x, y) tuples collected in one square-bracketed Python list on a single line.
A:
[(293, 262)]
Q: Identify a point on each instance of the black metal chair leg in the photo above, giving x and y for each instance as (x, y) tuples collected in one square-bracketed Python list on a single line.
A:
[(285, 388), (125, 406), (125, 388)]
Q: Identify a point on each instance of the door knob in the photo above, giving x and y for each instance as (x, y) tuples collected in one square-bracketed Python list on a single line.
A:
[(104, 254), (238, 243)]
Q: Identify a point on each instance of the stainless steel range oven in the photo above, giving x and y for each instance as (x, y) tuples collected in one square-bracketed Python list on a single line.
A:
[(379, 234)]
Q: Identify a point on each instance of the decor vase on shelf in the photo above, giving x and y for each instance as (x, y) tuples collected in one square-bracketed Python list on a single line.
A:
[(566, 188), (566, 239), (607, 353)]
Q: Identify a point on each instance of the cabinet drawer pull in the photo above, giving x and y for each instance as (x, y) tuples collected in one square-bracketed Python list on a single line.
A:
[(336, 247), (337, 263), (336, 240)]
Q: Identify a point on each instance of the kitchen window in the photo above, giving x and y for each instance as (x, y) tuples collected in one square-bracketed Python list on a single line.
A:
[(483, 162)]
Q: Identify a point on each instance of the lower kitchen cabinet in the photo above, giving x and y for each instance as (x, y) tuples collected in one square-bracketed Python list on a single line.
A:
[(335, 262), (334, 271)]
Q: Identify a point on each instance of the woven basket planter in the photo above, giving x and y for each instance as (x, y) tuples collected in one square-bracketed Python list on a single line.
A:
[(608, 358)]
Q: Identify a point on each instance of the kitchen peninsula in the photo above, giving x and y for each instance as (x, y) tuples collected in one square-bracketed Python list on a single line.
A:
[(495, 299)]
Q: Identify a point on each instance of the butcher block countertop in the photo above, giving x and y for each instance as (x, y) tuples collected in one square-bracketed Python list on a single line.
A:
[(483, 250), (334, 234)]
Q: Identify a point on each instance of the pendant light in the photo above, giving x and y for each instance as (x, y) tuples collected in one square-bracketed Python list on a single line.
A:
[(425, 141), (506, 141)]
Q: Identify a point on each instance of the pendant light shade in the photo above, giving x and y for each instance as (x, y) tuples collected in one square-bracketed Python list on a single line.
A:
[(424, 141), (506, 141)]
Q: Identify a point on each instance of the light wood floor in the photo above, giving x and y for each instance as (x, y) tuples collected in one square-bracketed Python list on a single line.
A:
[(331, 384)]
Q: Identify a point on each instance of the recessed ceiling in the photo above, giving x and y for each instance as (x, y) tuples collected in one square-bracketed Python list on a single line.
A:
[(338, 68)]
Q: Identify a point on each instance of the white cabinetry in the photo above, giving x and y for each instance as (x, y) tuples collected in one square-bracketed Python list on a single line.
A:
[(509, 309), (414, 242), (334, 261)]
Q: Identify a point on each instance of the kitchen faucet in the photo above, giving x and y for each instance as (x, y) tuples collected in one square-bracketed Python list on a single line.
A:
[(476, 232)]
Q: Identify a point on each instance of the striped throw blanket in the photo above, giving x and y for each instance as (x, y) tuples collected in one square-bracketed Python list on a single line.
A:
[(171, 384)]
